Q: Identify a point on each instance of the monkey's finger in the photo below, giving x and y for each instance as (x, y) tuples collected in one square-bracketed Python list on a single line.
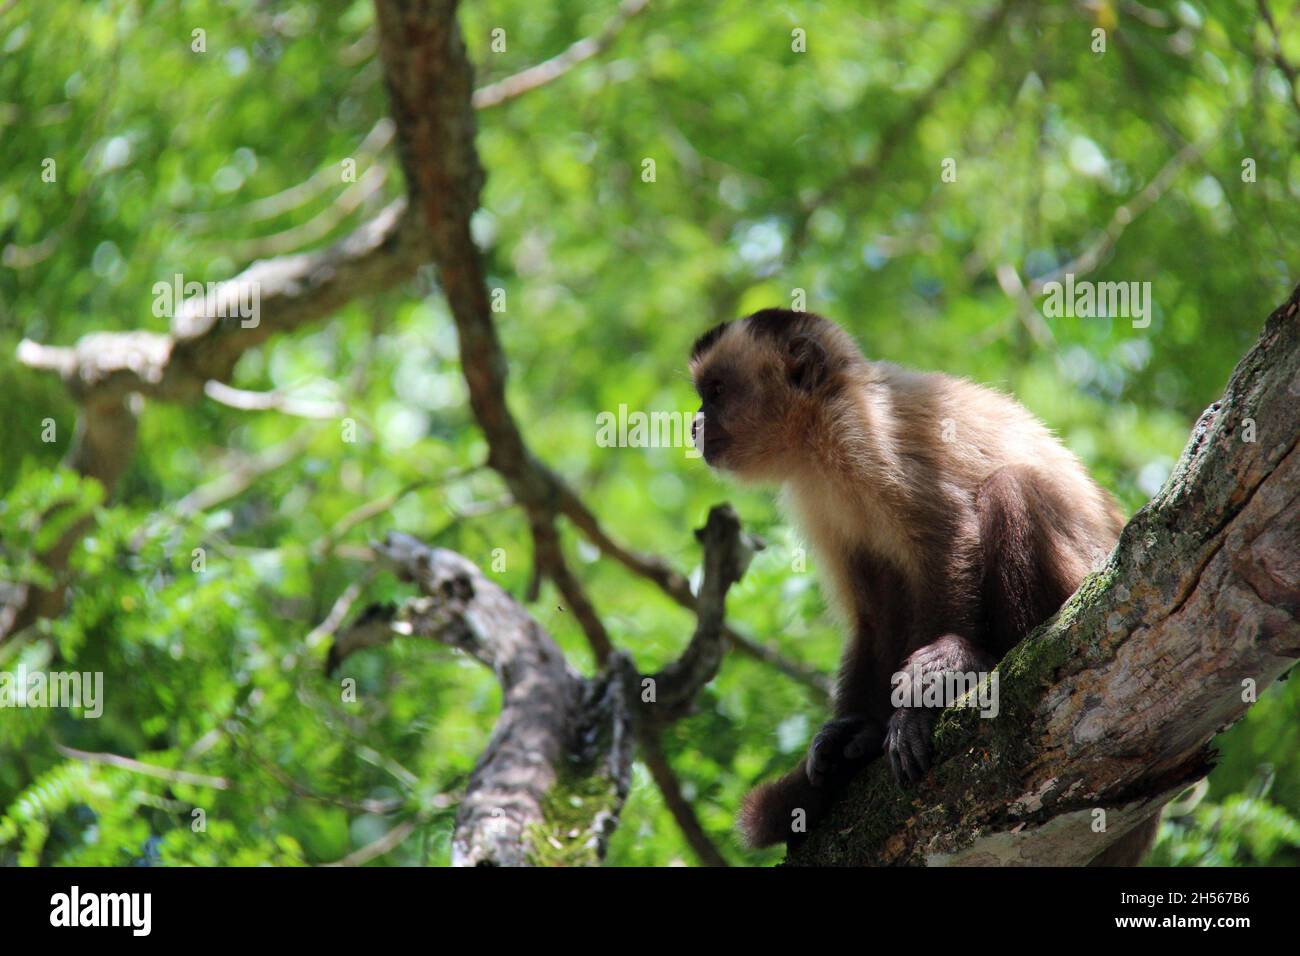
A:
[(922, 751), (817, 765), (895, 759), (912, 740), (909, 765), (816, 776), (916, 770), (867, 742), (904, 740)]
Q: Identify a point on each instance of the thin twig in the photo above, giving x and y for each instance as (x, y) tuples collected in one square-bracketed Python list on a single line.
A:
[(314, 229), (1122, 217), (652, 752), (250, 401), (148, 769), (243, 476), (1279, 57), (520, 83), (287, 200), (385, 844)]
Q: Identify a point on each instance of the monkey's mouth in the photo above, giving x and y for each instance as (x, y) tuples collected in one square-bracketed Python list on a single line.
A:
[(716, 443), (711, 438)]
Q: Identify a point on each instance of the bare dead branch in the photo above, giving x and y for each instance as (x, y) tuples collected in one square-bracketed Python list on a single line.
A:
[(279, 401), (675, 584), (132, 765), (208, 336), (550, 716), (727, 553), (464, 609), (549, 711)]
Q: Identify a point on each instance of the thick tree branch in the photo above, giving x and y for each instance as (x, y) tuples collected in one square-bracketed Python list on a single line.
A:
[(103, 371), (541, 693), (430, 82), (208, 336), (1113, 703)]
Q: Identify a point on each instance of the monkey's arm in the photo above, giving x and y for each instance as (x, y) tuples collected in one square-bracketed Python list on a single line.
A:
[(1028, 570), (856, 733)]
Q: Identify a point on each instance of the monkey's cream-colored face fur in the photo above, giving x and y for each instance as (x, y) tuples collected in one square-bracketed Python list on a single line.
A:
[(762, 381)]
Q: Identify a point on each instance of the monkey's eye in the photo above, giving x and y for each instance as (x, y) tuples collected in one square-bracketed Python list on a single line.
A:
[(714, 391)]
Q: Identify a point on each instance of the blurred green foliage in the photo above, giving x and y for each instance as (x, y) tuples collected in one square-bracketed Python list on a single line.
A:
[(161, 152)]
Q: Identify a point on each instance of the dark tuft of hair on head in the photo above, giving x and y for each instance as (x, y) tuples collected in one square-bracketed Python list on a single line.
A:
[(781, 325), (770, 322), (705, 341)]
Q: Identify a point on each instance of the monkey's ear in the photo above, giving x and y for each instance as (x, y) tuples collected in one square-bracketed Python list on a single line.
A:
[(806, 363)]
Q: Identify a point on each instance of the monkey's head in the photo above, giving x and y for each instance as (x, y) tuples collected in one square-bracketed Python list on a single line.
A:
[(766, 383)]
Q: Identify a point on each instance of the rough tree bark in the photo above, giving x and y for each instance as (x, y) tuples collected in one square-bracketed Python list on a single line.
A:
[(510, 814)]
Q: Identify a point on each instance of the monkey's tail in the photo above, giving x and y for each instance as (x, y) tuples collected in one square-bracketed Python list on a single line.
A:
[(781, 810)]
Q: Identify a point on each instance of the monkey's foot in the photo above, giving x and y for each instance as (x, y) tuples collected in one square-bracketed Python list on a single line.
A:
[(909, 742), (840, 741)]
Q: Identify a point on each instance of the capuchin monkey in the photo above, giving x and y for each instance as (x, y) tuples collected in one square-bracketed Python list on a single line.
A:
[(947, 520)]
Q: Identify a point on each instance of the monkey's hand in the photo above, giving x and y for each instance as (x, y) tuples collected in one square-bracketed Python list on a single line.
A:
[(841, 741), (909, 742)]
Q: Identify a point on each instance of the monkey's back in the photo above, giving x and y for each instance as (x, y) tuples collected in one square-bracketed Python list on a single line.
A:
[(981, 430)]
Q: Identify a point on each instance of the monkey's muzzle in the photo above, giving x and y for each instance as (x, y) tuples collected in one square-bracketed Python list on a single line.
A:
[(710, 437)]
